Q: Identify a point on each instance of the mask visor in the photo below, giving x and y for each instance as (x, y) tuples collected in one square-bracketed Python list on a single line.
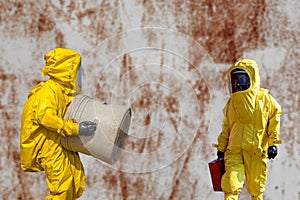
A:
[(239, 80)]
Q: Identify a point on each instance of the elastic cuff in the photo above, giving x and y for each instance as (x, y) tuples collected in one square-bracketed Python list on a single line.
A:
[(275, 143), (278, 142), (76, 127), (61, 130)]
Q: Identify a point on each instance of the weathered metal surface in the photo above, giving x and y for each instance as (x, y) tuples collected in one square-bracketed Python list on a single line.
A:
[(167, 60)]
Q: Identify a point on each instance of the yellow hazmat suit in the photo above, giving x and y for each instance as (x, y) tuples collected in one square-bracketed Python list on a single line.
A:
[(251, 124), (43, 127)]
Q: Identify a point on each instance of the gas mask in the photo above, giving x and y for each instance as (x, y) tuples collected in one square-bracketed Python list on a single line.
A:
[(78, 81), (79, 77), (239, 80)]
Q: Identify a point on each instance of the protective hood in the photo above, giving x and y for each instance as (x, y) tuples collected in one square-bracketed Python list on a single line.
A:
[(251, 68), (62, 65), (244, 101)]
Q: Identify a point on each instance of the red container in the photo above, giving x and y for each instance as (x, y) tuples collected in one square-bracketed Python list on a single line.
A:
[(217, 169)]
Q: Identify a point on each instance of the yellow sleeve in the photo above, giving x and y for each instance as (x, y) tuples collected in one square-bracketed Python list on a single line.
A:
[(274, 123), (224, 135), (47, 113)]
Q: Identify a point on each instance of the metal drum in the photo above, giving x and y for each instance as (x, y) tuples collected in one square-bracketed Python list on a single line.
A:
[(113, 123)]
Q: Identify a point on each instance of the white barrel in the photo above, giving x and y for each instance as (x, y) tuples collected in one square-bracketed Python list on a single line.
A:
[(113, 123)]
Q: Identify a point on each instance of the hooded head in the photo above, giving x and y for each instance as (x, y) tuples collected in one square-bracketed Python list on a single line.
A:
[(62, 65), (244, 72)]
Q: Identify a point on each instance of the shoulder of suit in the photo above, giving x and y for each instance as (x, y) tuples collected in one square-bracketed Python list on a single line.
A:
[(51, 86), (264, 93)]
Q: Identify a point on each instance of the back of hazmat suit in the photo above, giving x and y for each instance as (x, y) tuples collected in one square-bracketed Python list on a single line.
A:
[(43, 126), (250, 132)]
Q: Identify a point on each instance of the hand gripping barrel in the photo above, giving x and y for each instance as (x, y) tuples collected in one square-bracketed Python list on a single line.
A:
[(113, 123)]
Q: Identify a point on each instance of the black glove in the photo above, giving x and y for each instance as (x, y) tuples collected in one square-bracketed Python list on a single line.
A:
[(220, 155), (87, 128), (272, 152)]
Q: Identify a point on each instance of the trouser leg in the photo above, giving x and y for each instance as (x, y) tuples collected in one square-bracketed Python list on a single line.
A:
[(233, 179), (256, 174), (231, 196), (258, 197), (65, 176)]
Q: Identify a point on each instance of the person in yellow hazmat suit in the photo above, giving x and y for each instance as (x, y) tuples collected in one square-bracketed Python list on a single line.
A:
[(43, 126), (250, 132)]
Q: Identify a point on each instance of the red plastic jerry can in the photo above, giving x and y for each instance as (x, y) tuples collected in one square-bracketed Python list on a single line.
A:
[(217, 169)]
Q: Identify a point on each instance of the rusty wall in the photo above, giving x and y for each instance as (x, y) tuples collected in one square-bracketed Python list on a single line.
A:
[(168, 61)]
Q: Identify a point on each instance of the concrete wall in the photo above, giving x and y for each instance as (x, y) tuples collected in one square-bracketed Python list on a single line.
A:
[(168, 61)]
